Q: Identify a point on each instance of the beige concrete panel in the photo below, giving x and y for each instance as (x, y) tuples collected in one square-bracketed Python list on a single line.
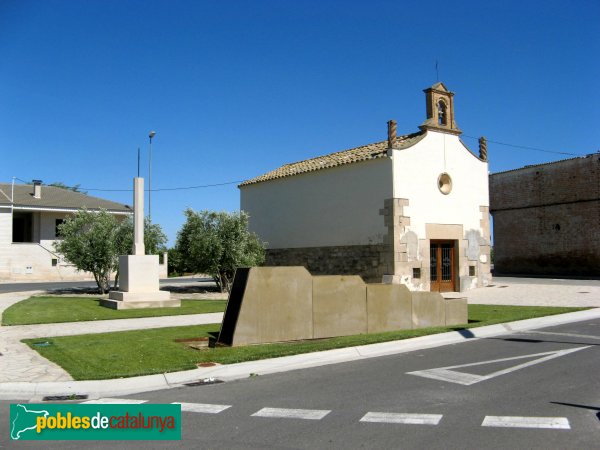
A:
[(339, 306), (442, 231), (428, 310), (276, 306), (456, 311), (389, 308)]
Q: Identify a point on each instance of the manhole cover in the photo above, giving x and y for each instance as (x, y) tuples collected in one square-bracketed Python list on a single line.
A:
[(54, 398), (206, 364)]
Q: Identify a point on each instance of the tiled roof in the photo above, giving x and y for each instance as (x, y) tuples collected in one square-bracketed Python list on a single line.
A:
[(353, 155), (56, 198)]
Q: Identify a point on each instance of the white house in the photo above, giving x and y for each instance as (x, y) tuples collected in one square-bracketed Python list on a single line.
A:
[(413, 209), (29, 217)]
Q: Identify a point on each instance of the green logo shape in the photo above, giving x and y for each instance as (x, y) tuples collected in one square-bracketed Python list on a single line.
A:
[(95, 422)]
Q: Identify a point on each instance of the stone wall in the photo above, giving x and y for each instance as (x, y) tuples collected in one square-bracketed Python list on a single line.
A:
[(547, 218), (368, 261)]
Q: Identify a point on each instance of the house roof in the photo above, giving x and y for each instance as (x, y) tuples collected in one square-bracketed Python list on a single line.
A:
[(55, 198), (353, 155)]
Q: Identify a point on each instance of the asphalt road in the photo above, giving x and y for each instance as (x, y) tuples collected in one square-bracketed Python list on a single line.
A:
[(48, 286), (558, 387)]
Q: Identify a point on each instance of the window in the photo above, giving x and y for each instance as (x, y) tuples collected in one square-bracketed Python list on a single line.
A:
[(416, 272), (54, 262), (444, 183), (471, 271), (58, 223), (442, 113)]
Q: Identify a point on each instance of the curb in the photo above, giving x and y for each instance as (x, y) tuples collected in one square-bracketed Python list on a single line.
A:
[(134, 385)]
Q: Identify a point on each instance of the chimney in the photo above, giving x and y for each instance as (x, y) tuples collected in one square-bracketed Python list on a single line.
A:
[(391, 133), (37, 188), (482, 148)]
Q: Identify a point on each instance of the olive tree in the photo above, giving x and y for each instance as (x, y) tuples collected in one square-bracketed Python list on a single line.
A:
[(87, 240), (92, 242), (217, 243)]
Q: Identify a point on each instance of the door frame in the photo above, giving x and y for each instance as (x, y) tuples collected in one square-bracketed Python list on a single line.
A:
[(453, 284)]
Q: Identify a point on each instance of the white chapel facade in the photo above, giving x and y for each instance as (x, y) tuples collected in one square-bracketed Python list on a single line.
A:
[(413, 209)]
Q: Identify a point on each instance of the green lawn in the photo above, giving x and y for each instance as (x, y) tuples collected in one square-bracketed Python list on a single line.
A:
[(75, 309), (144, 352)]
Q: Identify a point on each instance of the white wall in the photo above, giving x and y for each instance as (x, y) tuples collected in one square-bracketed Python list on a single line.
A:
[(330, 207), (416, 172), (5, 226)]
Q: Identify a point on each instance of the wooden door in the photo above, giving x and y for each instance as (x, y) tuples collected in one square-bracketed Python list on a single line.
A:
[(442, 273)]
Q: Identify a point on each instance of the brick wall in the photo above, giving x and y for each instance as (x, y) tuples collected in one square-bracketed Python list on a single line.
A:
[(547, 218), (368, 261)]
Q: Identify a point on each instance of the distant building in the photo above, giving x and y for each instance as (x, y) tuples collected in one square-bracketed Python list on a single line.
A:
[(547, 218), (412, 209), (29, 219)]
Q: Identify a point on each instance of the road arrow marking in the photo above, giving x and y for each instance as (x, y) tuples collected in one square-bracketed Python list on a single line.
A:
[(467, 379)]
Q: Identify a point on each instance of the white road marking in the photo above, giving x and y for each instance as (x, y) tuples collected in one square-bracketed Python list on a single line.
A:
[(310, 414), (584, 336), (526, 422), (467, 379), (113, 401), (202, 407), (417, 419)]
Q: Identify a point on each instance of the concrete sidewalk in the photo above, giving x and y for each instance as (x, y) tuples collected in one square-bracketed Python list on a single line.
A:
[(537, 292), (25, 372)]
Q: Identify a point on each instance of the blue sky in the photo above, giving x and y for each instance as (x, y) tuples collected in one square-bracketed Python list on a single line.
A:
[(237, 88)]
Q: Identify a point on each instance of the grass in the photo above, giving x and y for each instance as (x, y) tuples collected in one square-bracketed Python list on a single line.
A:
[(36, 310), (144, 352)]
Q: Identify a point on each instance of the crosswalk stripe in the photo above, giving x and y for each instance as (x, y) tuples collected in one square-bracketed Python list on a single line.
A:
[(309, 414), (526, 422), (202, 407), (113, 401), (417, 419)]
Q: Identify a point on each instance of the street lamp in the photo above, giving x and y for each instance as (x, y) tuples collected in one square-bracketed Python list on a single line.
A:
[(150, 135)]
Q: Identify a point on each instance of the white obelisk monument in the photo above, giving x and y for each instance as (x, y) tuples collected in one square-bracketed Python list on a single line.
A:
[(138, 273)]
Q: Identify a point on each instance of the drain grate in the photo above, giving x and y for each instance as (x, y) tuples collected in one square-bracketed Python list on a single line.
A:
[(204, 382), (54, 398)]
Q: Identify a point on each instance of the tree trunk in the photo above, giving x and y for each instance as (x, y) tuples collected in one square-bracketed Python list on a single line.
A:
[(98, 282)]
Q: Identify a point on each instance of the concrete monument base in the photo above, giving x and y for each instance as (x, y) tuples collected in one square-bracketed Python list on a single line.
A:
[(135, 300), (138, 281)]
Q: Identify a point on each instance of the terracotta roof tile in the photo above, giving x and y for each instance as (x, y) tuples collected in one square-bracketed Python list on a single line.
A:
[(353, 155)]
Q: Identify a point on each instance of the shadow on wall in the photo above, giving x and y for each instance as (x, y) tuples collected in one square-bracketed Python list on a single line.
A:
[(275, 304)]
